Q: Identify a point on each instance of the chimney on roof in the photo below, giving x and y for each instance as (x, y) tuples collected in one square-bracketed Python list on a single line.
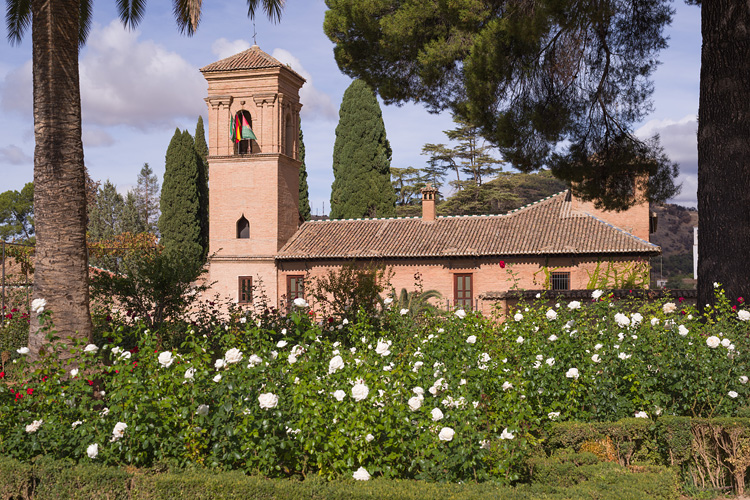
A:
[(429, 194)]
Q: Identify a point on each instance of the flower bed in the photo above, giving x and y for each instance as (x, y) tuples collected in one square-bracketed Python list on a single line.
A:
[(449, 398)]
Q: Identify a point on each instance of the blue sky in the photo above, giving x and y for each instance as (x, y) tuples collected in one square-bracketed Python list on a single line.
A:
[(138, 86)]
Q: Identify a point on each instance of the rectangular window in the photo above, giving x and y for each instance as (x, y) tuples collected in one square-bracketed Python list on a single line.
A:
[(462, 290), (295, 287), (559, 281), (245, 289)]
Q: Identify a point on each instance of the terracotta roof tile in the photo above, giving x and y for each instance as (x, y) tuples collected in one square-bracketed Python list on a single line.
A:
[(543, 228), (252, 58)]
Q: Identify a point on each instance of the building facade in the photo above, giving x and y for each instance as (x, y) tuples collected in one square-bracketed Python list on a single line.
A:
[(260, 250)]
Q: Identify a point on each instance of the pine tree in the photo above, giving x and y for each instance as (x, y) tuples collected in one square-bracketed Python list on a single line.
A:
[(361, 158), (179, 223), (201, 150), (147, 199), (105, 217), (131, 220), (304, 195)]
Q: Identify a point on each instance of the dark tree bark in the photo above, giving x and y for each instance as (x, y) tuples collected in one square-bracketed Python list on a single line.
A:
[(61, 262), (724, 150)]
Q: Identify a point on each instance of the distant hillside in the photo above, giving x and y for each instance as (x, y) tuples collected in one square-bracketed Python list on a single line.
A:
[(674, 235)]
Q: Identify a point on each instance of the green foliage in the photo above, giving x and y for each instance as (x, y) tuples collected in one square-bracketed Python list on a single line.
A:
[(304, 196), (105, 218), (147, 198), (17, 214), (560, 84), (361, 158), (180, 221), (407, 183), (201, 150), (620, 275)]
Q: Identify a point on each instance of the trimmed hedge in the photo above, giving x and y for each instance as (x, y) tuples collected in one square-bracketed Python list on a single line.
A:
[(57, 480)]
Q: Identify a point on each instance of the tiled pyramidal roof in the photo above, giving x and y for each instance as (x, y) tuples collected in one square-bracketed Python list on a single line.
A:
[(546, 227), (252, 58)]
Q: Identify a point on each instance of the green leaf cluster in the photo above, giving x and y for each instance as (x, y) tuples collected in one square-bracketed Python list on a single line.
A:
[(17, 214), (361, 158)]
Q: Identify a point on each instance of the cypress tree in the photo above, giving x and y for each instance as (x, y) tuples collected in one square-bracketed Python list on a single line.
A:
[(201, 150), (304, 195), (361, 158), (179, 223)]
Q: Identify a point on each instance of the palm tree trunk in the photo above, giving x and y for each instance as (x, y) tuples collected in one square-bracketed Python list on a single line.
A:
[(724, 150), (61, 261)]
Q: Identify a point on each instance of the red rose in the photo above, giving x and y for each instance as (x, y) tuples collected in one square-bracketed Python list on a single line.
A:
[(502, 264), (740, 300), (680, 299), (734, 308), (29, 391), (2, 374), (91, 382), (44, 378)]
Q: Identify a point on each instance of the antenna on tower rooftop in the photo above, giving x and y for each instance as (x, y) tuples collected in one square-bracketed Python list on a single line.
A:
[(254, 34)]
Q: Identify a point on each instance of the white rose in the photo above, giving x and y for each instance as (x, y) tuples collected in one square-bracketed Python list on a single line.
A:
[(518, 316), (166, 359), (268, 400), (336, 363), (388, 301), (436, 414), (506, 434), (550, 361), (369, 438), (415, 403), (91, 348), (125, 355), (682, 330), (461, 314), (552, 337), (654, 321), (92, 450), (254, 360), (622, 355), (574, 304), (361, 474), (34, 426), (621, 319), (417, 366), (190, 373), (743, 315), (202, 410), (519, 340), (743, 379), (74, 372), (339, 395), (300, 302), (382, 347), (217, 378), (507, 386), (553, 415), (641, 414), (404, 312), (360, 392), (281, 344), (551, 314), (76, 424), (596, 359), (636, 318), (713, 342), (669, 307), (446, 434), (572, 373), (119, 430), (597, 347), (233, 355), (472, 339), (596, 294), (418, 391), (38, 305), (23, 350), (219, 364), (726, 342)]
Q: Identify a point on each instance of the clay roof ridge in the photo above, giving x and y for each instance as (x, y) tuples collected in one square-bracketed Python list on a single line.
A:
[(626, 233), (529, 205), (252, 58)]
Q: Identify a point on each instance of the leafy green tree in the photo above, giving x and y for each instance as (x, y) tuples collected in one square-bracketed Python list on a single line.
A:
[(361, 158), (407, 183), (201, 150), (147, 199), (131, 220), (17, 214), (304, 195), (105, 217), (59, 29), (179, 223)]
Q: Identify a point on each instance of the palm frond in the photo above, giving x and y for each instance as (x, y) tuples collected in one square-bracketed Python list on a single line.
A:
[(17, 19), (187, 13), (272, 8), (131, 12), (84, 21)]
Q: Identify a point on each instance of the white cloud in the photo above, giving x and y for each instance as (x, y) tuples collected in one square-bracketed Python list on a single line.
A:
[(316, 104), (680, 142), (16, 90), (14, 155), (223, 48), (125, 81)]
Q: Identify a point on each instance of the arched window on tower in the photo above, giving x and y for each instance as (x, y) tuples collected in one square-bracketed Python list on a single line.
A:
[(243, 227), (289, 136), (242, 133)]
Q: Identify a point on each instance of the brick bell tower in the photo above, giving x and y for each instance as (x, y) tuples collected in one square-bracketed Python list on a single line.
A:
[(253, 136)]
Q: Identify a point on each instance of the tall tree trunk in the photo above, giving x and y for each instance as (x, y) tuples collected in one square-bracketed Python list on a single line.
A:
[(724, 150), (61, 262)]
